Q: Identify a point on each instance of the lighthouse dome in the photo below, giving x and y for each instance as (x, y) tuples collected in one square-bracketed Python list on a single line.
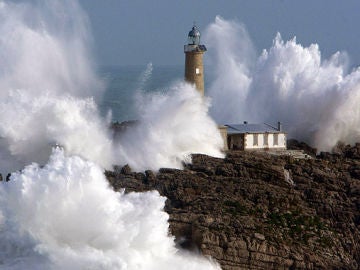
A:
[(194, 36)]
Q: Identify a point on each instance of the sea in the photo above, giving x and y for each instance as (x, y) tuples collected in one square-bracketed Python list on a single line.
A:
[(122, 83), (58, 211)]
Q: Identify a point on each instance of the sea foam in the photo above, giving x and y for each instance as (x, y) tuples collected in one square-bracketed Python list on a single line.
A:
[(316, 99), (48, 86), (171, 127), (59, 212), (65, 216)]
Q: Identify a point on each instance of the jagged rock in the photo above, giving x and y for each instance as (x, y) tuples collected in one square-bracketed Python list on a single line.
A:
[(243, 211), (293, 144), (150, 177), (126, 169), (259, 236)]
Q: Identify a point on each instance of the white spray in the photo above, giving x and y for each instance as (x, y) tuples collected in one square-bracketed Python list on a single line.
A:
[(65, 216), (62, 214), (317, 100), (47, 86), (232, 58), (171, 126)]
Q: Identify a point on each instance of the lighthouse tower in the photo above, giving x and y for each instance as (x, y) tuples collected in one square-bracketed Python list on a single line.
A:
[(194, 68)]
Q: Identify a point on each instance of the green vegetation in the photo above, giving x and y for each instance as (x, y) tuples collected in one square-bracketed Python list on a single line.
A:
[(293, 225), (299, 227)]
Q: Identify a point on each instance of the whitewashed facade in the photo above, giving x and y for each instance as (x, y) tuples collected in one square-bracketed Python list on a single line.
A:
[(255, 137)]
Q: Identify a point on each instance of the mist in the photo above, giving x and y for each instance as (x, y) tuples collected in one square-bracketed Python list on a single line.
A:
[(66, 216), (316, 99), (48, 85), (172, 125), (58, 210)]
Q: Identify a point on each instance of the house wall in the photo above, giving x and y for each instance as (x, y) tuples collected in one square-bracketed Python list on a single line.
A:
[(250, 141), (224, 136), (236, 141)]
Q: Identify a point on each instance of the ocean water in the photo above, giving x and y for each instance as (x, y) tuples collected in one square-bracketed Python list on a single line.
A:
[(58, 211), (123, 82)]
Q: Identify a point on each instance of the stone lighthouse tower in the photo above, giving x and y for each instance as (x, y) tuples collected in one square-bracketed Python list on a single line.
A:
[(194, 68)]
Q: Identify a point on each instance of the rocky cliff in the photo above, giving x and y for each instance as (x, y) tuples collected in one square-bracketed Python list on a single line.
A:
[(255, 210)]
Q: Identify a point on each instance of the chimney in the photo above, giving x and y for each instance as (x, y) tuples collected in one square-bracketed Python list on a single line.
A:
[(279, 126)]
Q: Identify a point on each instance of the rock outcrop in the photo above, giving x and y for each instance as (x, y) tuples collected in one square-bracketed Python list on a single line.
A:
[(253, 210)]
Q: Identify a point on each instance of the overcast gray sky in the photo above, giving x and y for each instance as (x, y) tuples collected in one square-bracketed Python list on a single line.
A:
[(142, 31)]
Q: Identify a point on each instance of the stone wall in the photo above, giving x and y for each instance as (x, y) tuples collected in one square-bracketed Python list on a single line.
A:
[(193, 61)]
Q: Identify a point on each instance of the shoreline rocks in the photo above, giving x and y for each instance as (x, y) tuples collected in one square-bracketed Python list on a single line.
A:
[(244, 212)]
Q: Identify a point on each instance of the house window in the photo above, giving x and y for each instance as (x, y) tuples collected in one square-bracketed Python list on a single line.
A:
[(255, 142), (276, 139), (266, 139)]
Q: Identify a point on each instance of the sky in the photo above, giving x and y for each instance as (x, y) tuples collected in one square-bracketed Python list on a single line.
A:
[(136, 32)]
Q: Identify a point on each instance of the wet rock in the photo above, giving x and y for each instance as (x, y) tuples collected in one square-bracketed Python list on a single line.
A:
[(259, 236), (293, 144), (126, 170), (243, 212)]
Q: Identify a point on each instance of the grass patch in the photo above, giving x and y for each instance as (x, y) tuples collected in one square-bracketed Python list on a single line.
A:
[(297, 226)]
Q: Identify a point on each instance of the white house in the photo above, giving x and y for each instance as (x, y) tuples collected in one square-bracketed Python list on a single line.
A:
[(253, 137)]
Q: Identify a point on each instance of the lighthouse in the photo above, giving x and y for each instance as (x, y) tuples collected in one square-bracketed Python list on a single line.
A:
[(194, 68)]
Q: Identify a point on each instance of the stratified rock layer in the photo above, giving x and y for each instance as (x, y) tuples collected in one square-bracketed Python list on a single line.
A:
[(253, 210)]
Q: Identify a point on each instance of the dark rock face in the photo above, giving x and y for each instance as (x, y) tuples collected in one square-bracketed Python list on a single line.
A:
[(293, 144), (252, 210)]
